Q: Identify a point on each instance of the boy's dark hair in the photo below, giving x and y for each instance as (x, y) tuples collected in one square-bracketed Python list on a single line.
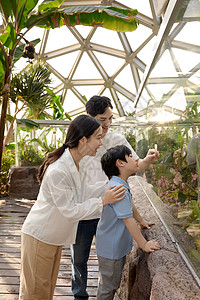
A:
[(108, 160), (97, 105)]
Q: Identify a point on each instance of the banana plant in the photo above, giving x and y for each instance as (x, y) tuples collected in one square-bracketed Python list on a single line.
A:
[(20, 16)]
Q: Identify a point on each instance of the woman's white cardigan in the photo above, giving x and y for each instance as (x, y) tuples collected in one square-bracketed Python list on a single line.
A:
[(54, 217)]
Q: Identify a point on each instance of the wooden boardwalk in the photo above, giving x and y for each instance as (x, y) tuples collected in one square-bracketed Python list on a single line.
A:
[(12, 215)]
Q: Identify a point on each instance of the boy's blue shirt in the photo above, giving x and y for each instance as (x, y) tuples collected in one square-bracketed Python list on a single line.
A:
[(113, 239)]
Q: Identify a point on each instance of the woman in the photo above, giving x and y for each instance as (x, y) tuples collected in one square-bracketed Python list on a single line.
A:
[(53, 219)]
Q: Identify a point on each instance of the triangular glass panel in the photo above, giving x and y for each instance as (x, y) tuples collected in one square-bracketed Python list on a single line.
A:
[(107, 38), (64, 63), (110, 63), (86, 69), (125, 79), (59, 38)]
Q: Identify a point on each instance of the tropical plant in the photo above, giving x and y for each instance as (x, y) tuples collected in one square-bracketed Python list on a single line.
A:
[(19, 16), (30, 93), (130, 137), (8, 160), (175, 181), (29, 155)]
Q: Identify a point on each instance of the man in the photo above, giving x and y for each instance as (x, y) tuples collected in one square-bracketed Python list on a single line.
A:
[(100, 108)]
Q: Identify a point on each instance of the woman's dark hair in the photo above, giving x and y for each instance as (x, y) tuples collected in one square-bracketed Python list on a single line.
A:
[(81, 126), (97, 105), (108, 160)]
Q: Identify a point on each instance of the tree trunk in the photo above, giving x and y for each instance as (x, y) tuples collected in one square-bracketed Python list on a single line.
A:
[(2, 123), (8, 135), (5, 92), (10, 129)]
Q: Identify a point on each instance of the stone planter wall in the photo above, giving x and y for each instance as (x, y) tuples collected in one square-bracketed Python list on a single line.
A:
[(161, 275), (22, 182)]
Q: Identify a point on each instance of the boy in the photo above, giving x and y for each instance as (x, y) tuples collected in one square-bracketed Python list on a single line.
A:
[(117, 227)]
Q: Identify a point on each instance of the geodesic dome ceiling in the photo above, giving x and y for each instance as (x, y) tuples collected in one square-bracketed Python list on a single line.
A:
[(152, 71)]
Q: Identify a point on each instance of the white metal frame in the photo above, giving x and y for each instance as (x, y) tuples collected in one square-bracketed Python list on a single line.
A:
[(139, 70)]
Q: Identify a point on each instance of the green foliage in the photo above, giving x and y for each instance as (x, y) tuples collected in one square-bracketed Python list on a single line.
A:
[(112, 18), (46, 5), (131, 139), (9, 38), (2, 70), (56, 105), (32, 88), (44, 144), (142, 147), (28, 124), (174, 181), (197, 242), (29, 156), (8, 159)]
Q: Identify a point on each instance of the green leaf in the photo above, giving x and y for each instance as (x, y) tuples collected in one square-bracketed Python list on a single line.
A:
[(195, 253), (68, 116), (2, 65), (85, 98), (9, 118), (10, 146), (24, 8), (181, 197), (196, 208), (8, 38), (108, 17), (29, 123), (57, 101), (45, 5), (18, 9), (37, 141), (45, 141), (26, 129), (40, 19), (6, 8)]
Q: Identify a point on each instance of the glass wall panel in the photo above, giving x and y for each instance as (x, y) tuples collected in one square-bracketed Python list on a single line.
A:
[(171, 120)]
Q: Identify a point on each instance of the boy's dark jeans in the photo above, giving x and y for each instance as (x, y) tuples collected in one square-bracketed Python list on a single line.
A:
[(79, 257)]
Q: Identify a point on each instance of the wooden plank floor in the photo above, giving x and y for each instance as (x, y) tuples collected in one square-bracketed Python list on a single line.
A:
[(12, 215)]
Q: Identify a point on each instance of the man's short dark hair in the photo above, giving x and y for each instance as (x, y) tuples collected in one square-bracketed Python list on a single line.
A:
[(97, 105), (108, 160)]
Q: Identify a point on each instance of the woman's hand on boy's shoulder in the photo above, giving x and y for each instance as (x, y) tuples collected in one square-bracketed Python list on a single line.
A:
[(113, 194)]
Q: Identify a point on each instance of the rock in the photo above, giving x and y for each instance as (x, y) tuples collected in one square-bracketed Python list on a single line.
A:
[(22, 182)]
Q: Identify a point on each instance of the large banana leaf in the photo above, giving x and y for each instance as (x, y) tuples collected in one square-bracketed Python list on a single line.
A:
[(95, 15), (49, 15)]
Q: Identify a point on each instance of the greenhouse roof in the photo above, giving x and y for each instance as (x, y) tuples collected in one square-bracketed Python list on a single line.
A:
[(151, 73)]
